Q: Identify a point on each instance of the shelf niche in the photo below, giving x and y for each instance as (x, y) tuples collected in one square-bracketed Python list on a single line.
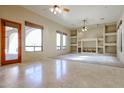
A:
[(110, 39)]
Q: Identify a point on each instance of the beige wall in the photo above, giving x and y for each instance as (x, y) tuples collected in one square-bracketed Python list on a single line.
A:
[(94, 31), (121, 54), (0, 42), (19, 14)]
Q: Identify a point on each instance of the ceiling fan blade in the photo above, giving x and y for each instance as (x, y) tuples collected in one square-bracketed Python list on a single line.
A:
[(66, 9)]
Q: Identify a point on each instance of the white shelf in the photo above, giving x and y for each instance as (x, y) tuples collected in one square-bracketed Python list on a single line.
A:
[(92, 39), (100, 39), (73, 44), (110, 34), (73, 36), (79, 46), (100, 46), (110, 44)]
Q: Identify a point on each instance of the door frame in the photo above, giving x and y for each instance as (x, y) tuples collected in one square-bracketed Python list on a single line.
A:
[(3, 60)]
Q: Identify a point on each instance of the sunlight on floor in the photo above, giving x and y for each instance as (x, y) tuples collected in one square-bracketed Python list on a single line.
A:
[(92, 58)]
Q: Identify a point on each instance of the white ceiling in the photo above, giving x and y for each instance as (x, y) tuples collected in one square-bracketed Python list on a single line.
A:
[(93, 13)]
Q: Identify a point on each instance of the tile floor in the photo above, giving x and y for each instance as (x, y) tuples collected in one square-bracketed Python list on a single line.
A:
[(92, 58), (59, 73)]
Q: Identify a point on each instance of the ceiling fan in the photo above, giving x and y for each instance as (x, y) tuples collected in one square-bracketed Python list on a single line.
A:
[(59, 9), (84, 28)]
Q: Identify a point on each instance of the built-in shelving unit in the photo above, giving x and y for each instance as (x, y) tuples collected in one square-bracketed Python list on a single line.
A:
[(110, 39), (94, 45), (89, 45), (110, 34), (100, 45), (110, 44), (74, 41), (105, 44)]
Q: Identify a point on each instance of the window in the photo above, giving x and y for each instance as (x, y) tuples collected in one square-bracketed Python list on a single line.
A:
[(33, 37), (64, 36), (61, 39), (58, 40)]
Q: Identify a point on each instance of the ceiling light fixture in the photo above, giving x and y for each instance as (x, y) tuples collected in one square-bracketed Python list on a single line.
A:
[(84, 28), (56, 9)]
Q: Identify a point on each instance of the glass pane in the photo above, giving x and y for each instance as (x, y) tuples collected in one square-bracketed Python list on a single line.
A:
[(33, 36), (58, 39), (64, 47), (38, 49), (64, 40), (29, 48), (58, 47), (11, 43)]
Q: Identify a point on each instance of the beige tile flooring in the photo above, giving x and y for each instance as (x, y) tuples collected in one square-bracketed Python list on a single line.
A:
[(60, 73)]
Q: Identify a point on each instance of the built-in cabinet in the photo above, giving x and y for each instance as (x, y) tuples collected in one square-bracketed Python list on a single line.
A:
[(74, 41), (110, 39), (102, 45)]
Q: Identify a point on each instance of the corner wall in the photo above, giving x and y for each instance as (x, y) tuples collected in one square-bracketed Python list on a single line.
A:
[(120, 54), (20, 14)]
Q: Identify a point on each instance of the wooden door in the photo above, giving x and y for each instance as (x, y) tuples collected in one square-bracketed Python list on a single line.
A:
[(10, 42)]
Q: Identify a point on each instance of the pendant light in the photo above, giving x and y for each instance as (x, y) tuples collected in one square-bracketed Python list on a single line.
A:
[(84, 28)]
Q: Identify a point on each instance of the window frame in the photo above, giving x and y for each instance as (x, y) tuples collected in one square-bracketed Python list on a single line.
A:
[(58, 32), (64, 47), (61, 41), (33, 25)]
